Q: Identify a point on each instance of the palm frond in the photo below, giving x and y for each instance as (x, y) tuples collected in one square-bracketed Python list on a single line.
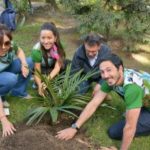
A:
[(61, 94), (36, 114), (68, 112), (54, 114)]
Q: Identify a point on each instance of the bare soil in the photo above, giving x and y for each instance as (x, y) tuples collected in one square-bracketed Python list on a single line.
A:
[(42, 137)]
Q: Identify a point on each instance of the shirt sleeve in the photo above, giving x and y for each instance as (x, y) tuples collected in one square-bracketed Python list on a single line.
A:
[(36, 56), (133, 96), (76, 65), (105, 87)]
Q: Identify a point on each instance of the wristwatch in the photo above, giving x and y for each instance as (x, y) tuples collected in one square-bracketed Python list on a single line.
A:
[(74, 126)]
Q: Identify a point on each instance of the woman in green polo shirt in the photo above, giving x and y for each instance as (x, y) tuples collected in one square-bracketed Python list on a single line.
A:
[(48, 54)]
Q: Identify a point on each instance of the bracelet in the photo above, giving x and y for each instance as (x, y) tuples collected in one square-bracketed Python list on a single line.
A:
[(2, 117)]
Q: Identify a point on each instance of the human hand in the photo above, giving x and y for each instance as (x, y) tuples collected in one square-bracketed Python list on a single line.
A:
[(7, 127), (107, 148), (25, 70), (40, 90), (66, 134), (43, 86)]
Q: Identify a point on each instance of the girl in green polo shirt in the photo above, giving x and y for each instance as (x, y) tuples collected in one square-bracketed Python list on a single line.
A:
[(48, 54)]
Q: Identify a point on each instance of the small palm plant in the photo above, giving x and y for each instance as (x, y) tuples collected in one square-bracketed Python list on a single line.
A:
[(61, 95)]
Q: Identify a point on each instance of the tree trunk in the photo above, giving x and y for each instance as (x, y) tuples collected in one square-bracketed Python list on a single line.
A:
[(52, 3)]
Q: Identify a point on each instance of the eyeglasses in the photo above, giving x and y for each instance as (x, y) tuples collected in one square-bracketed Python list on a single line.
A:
[(6, 44)]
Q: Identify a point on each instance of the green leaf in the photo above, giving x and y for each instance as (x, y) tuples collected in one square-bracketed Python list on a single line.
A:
[(108, 106), (36, 114), (54, 114), (61, 94), (68, 112)]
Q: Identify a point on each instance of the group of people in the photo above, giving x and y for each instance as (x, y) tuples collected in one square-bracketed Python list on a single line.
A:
[(48, 57)]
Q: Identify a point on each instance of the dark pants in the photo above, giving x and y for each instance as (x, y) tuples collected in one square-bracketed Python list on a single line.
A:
[(143, 126), (85, 85), (47, 71)]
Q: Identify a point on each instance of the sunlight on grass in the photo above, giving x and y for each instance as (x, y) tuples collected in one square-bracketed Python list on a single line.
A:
[(40, 20), (142, 58), (144, 47), (64, 27)]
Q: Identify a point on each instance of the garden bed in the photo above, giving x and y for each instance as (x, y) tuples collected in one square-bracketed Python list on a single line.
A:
[(42, 137)]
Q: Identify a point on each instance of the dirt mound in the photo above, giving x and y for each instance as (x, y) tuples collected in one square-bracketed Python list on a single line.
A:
[(40, 138)]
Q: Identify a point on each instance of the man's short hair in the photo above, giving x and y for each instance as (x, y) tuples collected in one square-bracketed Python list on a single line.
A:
[(93, 39), (115, 59)]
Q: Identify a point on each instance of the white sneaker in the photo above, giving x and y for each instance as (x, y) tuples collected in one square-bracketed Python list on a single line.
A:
[(6, 104), (28, 97), (6, 111)]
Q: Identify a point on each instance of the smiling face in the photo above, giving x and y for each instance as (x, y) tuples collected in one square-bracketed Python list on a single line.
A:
[(111, 74), (5, 47), (47, 39)]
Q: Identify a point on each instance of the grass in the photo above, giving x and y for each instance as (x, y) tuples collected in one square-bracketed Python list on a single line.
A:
[(97, 126), (26, 37)]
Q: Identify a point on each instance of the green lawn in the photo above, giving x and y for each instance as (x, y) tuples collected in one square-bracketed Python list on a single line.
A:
[(96, 127)]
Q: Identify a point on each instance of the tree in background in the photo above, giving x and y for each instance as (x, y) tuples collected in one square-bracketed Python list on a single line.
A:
[(131, 17), (52, 3)]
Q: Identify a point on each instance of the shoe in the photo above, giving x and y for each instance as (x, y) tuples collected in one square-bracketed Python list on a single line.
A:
[(6, 111), (34, 86), (32, 78), (27, 97), (6, 104)]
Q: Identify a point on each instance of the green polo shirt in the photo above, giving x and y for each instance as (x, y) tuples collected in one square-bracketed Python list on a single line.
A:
[(133, 95), (135, 89)]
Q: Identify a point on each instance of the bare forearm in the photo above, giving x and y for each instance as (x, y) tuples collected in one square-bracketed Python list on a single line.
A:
[(37, 68), (90, 108), (21, 56), (129, 130), (1, 108), (54, 72), (128, 134), (37, 80), (85, 115)]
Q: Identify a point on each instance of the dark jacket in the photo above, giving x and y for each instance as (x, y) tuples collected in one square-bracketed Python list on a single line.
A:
[(80, 61)]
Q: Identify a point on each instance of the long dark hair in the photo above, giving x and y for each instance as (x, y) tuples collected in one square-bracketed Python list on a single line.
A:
[(51, 27), (4, 31)]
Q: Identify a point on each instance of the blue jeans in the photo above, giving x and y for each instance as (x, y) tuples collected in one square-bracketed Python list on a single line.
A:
[(85, 85), (13, 80), (143, 126)]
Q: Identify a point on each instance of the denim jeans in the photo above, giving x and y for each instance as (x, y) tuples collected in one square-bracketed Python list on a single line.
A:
[(143, 126), (85, 85), (11, 79)]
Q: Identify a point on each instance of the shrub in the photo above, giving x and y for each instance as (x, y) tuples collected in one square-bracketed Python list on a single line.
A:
[(61, 95)]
